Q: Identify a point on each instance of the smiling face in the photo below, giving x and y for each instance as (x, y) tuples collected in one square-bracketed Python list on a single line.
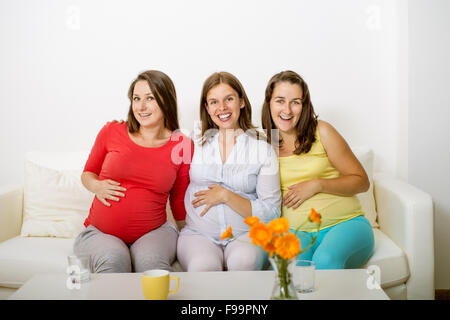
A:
[(224, 105), (286, 106), (145, 108)]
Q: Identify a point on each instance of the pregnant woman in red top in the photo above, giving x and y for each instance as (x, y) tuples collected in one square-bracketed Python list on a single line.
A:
[(133, 168)]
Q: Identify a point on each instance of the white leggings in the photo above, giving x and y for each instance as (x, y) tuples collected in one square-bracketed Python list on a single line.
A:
[(198, 253)]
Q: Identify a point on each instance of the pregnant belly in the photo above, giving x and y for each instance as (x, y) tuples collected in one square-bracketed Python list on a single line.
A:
[(134, 215)]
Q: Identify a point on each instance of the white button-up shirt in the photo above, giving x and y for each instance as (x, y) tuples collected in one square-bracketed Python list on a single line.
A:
[(251, 171)]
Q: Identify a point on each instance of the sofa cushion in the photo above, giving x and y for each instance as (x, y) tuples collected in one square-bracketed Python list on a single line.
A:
[(391, 260), (22, 257), (367, 199), (55, 202)]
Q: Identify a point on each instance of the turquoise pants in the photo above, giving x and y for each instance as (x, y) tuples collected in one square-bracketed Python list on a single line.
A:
[(347, 245)]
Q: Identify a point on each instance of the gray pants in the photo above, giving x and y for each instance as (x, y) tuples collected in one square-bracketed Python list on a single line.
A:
[(154, 250)]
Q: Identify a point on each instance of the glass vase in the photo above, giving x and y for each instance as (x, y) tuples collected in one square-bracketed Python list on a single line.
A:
[(283, 288)]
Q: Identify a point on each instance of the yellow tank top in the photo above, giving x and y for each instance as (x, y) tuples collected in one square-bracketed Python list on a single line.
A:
[(315, 164)]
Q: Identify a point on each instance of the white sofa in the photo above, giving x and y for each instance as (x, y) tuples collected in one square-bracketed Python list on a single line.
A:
[(39, 220)]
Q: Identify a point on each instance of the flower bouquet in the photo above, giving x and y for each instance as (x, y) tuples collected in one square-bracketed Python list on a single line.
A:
[(282, 246)]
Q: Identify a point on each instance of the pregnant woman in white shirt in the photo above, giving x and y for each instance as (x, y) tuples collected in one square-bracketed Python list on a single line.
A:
[(233, 175)]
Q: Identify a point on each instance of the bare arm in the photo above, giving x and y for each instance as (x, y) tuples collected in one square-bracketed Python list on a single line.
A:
[(89, 179), (104, 189), (239, 204), (217, 194), (352, 180)]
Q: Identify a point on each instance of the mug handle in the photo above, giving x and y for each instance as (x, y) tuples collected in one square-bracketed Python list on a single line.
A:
[(178, 282)]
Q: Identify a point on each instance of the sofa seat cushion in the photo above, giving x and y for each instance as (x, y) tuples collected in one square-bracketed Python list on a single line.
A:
[(23, 257), (391, 260)]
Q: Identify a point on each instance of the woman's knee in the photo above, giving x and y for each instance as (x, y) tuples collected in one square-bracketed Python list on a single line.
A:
[(252, 258), (196, 253), (108, 254), (112, 262), (198, 260), (324, 259), (346, 245), (152, 260), (155, 250), (198, 263)]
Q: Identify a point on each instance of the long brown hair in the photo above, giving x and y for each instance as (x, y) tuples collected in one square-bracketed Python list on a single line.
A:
[(245, 116), (164, 91), (306, 126)]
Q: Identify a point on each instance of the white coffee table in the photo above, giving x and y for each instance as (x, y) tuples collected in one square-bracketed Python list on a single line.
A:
[(234, 285)]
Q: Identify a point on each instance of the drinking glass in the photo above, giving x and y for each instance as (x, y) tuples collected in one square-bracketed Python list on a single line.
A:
[(80, 266), (304, 274)]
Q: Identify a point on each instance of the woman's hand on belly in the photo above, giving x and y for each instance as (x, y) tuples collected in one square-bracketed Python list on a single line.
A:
[(300, 192), (214, 196), (108, 190)]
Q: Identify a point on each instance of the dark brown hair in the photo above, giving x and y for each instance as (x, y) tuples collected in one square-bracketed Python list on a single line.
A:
[(245, 116), (164, 91), (306, 126)]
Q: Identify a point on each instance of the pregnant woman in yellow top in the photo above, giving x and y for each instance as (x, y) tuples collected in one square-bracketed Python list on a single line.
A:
[(317, 170)]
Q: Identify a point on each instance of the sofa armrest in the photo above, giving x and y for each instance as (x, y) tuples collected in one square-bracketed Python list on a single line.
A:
[(11, 208), (405, 214)]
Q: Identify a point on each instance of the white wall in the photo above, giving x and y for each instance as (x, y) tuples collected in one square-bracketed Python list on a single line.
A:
[(66, 66), (429, 114)]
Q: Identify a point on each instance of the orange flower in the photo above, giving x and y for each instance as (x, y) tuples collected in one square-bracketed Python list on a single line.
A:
[(314, 216), (269, 247), (280, 225), (287, 246), (227, 234), (251, 221), (260, 234)]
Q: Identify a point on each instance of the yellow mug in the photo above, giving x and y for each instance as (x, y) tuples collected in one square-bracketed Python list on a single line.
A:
[(156, 283)]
